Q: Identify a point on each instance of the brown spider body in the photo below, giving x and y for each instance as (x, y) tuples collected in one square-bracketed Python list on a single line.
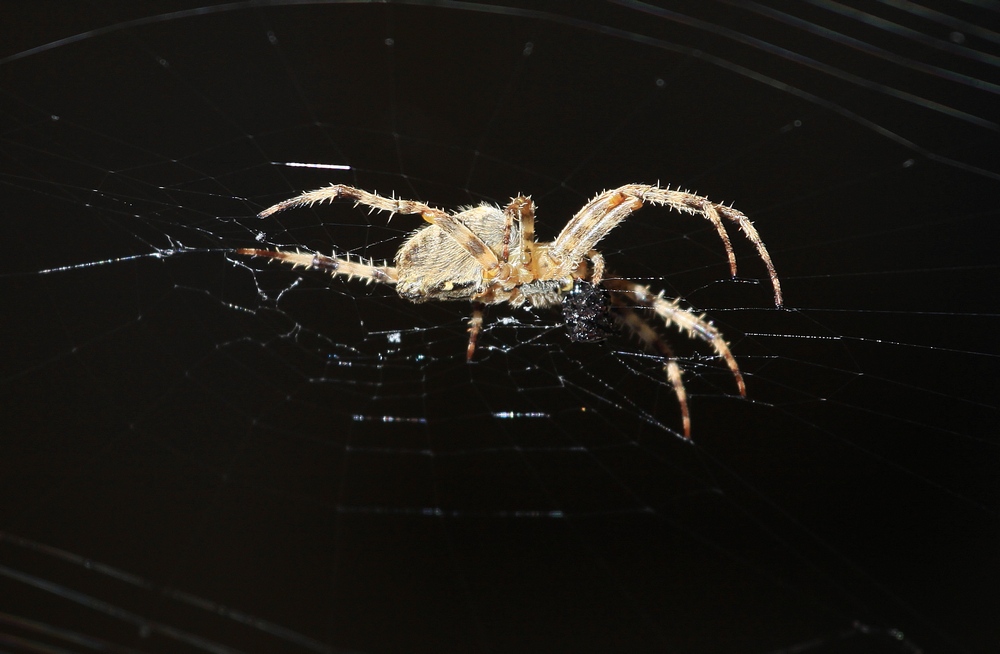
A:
[(431, 265), (489, 255)]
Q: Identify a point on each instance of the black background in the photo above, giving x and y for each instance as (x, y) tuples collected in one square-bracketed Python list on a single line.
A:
[(153, 428)]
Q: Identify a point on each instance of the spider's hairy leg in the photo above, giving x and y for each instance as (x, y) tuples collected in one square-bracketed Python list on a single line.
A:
[(602, 214), (597, 266), (689, 323), (509, 217), (475, 327), (451, 225), (584, 230), (632, 321), (333, 265), (522, 211)]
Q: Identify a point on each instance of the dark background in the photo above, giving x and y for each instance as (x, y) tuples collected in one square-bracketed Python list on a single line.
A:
[(194, 461)]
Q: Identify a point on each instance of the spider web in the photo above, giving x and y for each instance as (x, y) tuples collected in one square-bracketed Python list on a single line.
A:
[(205, 452)]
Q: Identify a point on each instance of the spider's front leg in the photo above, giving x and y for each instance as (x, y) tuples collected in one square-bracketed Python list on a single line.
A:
[(602, 214), (645, 333), (626, 295)]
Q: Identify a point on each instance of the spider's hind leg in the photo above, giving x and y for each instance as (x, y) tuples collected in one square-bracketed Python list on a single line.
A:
[(475, 327), (333, 265), (450, 224)]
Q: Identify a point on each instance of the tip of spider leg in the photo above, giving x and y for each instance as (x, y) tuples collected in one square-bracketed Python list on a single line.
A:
[(275, 208)]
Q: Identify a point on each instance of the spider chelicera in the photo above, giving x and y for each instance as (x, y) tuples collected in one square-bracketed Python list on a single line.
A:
[(488, 255)]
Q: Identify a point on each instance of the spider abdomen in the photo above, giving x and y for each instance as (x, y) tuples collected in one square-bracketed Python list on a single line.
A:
[(432, 265)]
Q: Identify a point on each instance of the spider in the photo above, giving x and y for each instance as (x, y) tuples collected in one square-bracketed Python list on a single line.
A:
[(488, 255)]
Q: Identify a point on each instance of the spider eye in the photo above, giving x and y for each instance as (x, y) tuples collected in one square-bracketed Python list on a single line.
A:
[(585, 309)]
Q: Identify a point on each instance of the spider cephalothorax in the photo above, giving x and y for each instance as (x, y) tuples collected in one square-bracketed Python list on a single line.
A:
[(488, 255)]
